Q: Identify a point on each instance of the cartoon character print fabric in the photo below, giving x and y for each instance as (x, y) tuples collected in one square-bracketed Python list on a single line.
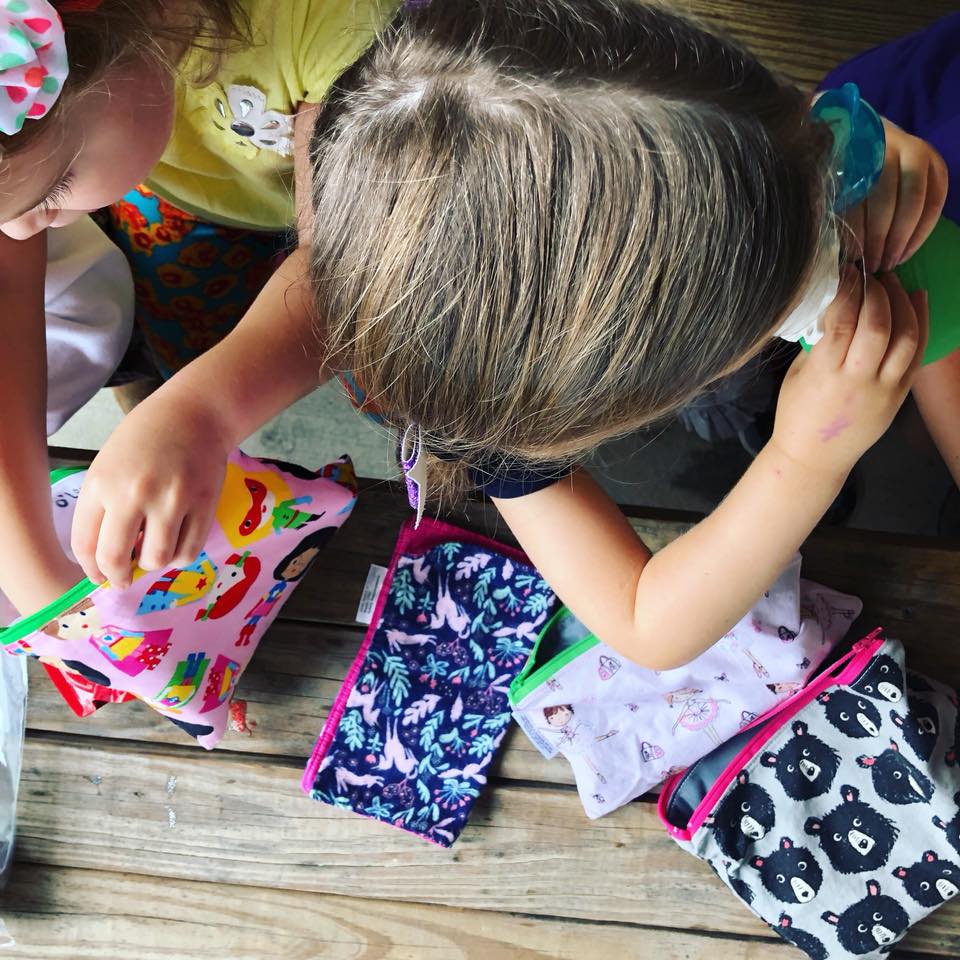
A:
[(179, 639), (423, 710), (842, 834), (624, 729)]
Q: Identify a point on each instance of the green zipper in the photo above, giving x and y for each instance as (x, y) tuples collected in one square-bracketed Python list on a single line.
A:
[(51, 611), (532, 676), (61, 473), (26, 626)]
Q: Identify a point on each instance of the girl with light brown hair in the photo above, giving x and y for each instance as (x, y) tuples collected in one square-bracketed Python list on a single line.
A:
[(542, 224)]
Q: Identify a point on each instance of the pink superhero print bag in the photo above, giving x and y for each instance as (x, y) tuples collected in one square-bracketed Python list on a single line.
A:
[(179, 639)]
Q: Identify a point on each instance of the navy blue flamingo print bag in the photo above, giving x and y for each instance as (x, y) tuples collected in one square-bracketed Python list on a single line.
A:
[(423, 710), (834, 817)]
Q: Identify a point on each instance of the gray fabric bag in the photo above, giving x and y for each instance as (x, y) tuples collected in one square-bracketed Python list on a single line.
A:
[(835, 816)]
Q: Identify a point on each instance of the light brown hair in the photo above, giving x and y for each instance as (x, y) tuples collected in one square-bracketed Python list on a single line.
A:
[(542, 223), (125, 30)]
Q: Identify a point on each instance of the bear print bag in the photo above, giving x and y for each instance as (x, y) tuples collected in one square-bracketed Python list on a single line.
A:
[(179, 639), (834, 817)]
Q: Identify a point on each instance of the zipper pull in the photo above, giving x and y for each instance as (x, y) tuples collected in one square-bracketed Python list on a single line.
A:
[(869, 640)]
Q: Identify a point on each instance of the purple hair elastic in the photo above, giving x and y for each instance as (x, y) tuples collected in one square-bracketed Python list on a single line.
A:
[(414, 471)]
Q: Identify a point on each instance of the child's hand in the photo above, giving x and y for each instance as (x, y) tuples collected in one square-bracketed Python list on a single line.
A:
[(161, 473), (905, 204), (838, 400)]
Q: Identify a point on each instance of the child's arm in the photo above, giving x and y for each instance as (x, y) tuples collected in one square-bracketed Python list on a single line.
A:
[(937, 392), (33, 568), (162, 469), (663, 611)]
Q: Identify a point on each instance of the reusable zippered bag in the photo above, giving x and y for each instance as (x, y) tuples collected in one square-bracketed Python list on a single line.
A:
[(624, 729), (179, 639), (835, 816)]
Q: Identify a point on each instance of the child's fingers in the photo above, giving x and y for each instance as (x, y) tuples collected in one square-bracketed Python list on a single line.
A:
[(937, 182), (904, 347), (160, 537), (193, 537), (920, 300), (872, 338), (840, 319), (85, 534), (882, 211), (856, 220), (118, 536)]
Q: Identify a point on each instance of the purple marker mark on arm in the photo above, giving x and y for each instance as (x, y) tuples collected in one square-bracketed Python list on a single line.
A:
[(834, 430)]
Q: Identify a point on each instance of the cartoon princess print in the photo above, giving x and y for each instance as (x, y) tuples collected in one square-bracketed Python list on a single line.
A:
[(79, 622), (180, 586), (236, 578), (577, 733), (292, 567), (697, 713), (131, 651), (254, 505)]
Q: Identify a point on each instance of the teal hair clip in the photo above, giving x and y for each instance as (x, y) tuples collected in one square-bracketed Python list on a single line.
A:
[(859, 143)]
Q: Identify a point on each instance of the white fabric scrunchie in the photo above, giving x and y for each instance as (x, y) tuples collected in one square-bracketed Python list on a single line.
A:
[(33, 61)]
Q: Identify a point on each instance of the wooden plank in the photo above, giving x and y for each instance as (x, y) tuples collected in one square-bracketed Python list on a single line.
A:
[(806, 38), (289, 687), (154, 811), (67, 914)]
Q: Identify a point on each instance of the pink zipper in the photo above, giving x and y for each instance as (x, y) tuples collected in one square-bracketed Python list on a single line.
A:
[(844, 671)]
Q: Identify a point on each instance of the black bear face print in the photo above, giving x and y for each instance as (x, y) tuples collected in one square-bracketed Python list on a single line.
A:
[(805, 765), (855, 716), (952, 757), (790, 873), (745, 816), (895, 779), (804, 941), (853, 835), (930, 881), (875, 922), (920, 726), (952, 829), (883, 680)]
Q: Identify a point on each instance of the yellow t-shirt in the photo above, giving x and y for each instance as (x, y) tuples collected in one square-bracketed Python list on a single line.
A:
[(230, 157)]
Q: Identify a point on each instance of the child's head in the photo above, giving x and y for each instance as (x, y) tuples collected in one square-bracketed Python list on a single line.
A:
[(109, 124), (541, 223)]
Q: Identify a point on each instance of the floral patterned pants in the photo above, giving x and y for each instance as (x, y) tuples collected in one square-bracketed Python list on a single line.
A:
[(193, 280)]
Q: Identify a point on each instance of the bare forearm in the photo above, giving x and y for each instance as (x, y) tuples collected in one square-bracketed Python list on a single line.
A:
[(666, 610), (937, 393), (697, 588), (269, 361)]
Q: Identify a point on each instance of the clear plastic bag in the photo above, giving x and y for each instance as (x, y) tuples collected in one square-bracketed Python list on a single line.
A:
[(13, 709)]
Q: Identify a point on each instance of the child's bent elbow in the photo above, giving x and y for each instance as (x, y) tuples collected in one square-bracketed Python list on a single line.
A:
[(652, 654)]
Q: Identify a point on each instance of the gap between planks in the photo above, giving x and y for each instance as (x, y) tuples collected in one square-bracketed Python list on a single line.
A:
[(78, 914), (243, 821)]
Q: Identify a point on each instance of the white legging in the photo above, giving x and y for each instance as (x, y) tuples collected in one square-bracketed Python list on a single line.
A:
[(88, 300)]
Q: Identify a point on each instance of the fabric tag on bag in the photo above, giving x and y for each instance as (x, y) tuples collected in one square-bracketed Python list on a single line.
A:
[(371, 590)]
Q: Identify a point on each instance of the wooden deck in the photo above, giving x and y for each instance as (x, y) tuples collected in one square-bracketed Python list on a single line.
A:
[(135, 843)]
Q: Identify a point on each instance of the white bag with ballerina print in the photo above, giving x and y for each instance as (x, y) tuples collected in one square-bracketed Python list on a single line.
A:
[(624, 729)]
